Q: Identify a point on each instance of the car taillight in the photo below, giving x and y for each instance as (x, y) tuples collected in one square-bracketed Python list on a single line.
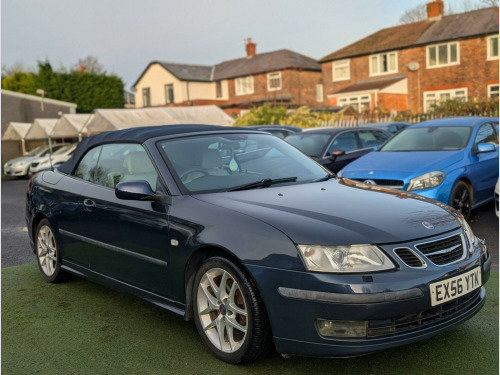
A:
[(29, 187)]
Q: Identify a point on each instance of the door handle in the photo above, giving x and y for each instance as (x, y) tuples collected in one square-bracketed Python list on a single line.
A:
[(88, 204)]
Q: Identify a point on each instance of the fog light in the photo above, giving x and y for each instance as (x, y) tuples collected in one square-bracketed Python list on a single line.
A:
[(341, 328)]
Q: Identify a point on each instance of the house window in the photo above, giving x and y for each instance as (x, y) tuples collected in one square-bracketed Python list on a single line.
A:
[(169, 93), (385, 63), (493, 91), (433, 98), (492, 47), (274, 81), (359, 103), (443, 55), (341, 70), (244, 85), (146, 97), (218, 89), (319, 93)]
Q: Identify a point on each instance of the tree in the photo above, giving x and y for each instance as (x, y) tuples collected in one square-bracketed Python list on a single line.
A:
[(419, 12), (89, 64)]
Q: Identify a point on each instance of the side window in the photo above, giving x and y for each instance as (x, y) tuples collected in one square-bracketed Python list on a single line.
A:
[(345, 141), (124, 162), (486, 134), (371, 138), (87, 166)]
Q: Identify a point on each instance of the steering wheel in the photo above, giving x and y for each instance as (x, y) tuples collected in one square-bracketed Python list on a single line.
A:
[(194, 170)]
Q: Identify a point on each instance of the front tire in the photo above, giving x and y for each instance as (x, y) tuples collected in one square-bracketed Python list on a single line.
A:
[(229, 314), (461, 199), (47, 253)]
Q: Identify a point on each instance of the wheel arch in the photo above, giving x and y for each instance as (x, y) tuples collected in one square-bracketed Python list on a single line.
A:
[(196, 260), (468, 182)]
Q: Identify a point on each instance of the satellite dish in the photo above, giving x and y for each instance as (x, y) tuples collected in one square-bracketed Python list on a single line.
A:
[(413, 66)]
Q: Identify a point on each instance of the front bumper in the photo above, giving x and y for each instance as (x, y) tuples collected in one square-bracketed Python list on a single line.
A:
[(295, 300), (18, 171)]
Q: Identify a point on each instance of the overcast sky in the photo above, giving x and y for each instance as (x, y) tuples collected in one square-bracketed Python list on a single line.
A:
[(125, 35)]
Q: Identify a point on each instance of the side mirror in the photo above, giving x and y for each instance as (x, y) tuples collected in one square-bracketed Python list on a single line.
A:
[(335, 154), (135, 190), (485, 147)]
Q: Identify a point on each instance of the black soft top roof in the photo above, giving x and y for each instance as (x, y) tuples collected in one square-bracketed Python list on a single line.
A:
[(133, 135)]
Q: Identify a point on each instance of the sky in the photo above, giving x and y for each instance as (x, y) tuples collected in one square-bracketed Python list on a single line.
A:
[(126, 35)]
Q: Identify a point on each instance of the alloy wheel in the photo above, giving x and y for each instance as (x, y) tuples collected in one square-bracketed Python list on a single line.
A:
[(222, 310), (46, 250)]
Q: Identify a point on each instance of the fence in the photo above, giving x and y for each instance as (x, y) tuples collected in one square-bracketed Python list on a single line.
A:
[(375, 119)]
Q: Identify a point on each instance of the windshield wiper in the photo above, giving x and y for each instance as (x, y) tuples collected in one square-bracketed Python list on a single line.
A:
[(266, 182), (326, 178)]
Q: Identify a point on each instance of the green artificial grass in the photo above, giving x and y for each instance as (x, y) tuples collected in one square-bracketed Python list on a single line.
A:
[(82, 328)]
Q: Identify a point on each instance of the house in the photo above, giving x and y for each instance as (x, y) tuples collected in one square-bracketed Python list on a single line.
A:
[(415, 66), (280, 77)]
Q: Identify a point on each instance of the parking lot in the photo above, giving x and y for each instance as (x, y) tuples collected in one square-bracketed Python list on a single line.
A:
[(16, 251)]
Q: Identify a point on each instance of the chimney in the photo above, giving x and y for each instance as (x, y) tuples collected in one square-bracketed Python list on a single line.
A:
[(81, 68), (435, 10), (251, 47)]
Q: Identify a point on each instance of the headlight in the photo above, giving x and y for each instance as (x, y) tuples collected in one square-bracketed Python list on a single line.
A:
[(355, 258), (21, 163), (339, 173), (470, 238), (44, 162), (426, 181)]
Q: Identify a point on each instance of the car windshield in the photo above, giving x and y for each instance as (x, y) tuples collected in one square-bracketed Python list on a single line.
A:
[(309, 144), (225, 162), (62, 150), (36, 151), (445, 138)]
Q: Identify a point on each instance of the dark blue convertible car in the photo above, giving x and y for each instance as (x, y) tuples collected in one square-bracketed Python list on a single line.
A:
[(257, 243)]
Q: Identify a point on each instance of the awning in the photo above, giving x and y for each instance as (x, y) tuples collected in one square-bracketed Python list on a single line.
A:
[(70, 126), (117, 119), (41, 128), (16, 131)]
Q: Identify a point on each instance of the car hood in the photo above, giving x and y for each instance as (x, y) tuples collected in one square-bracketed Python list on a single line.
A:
[(20, 158), (341, 212), (400, 165)]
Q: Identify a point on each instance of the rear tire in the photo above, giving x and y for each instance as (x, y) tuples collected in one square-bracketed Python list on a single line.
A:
[(229, 313), (47, 253), (461, 199)]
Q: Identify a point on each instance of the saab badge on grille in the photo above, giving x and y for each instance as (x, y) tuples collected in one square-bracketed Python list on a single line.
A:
[(370, 182), (427, 225)]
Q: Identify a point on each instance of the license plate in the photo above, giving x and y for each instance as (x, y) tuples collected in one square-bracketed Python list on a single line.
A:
[(454, 287)]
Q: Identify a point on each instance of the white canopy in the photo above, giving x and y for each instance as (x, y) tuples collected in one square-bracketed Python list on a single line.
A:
[(117, 119), (70, 125), (16, 131), (41, 128)]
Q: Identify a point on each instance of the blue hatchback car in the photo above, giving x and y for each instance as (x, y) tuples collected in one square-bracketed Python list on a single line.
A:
[(452, 160)]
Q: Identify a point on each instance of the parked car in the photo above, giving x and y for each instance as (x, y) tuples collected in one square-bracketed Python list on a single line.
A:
[(496, 199), (20, 166), (391, 127), (453, 160), (48, 161), (280, 131), (264, 246), (348, 144)]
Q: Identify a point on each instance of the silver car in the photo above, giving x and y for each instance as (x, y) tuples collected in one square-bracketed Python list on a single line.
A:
[(20, 166)]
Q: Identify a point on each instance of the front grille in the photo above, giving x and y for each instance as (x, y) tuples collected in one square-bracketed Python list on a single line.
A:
[(34, 164), (409, 257), (392, 184), (438, 314), (443, 251)]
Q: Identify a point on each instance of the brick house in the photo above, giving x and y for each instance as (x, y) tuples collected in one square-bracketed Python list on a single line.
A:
[(281, 77), (416, 65)]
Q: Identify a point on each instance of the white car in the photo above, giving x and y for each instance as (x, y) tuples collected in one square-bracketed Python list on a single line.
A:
[(46, 162), (496, 198), (19, 167)]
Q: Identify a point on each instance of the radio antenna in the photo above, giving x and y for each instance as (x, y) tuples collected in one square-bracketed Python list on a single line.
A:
[(50, 154)]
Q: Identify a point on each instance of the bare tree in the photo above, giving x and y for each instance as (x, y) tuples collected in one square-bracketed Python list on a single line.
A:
[(419, 12), (415, 14), (14, 68), (90, 64)]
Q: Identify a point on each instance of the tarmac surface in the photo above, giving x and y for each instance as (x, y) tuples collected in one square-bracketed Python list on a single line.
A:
[(16, 248)]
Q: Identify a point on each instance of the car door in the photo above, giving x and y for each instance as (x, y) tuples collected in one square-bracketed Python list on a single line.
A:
[(483, 168), (129, 238)]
